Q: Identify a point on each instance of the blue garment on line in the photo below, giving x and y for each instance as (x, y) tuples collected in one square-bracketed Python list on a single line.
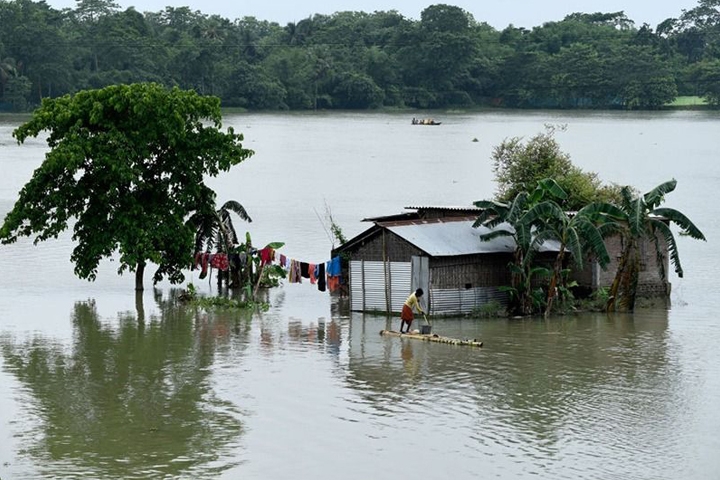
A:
[(333, 267)]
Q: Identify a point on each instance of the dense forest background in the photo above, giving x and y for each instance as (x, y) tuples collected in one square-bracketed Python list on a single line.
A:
[(357, 60)]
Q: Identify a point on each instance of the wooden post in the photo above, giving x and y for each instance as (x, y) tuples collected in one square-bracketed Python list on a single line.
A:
[(385, 273), (362, 272), (389, 283)]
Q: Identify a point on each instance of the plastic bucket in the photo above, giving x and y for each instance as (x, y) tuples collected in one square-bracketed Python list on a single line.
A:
[(425, 329)]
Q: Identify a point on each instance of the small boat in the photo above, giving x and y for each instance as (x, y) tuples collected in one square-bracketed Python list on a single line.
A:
[(425, 121), (433, 338)]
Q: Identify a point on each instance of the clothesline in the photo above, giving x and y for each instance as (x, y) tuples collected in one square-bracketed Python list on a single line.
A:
[(324, 275)]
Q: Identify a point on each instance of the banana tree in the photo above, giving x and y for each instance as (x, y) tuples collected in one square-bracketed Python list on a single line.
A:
[(579, 235), (509, 220), (643, 219), (215, 229)]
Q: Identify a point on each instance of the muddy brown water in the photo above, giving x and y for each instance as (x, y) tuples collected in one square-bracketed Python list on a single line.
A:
[(95, 384)]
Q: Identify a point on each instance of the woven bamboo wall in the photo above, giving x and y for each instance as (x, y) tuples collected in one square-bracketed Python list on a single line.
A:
[(470, 271), (398, 250)]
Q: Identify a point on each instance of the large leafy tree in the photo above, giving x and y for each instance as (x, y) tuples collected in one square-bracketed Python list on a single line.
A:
[(126, 168), (519, 165), (707, 78), (643, 218)]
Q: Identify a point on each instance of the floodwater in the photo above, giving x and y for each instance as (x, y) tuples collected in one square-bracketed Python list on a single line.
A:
[(96, 383)]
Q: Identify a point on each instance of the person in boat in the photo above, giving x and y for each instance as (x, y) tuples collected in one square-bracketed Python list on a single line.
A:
[(412, 302)]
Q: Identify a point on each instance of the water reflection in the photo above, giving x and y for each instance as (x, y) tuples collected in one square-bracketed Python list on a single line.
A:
[(131, 399), (610, 382)]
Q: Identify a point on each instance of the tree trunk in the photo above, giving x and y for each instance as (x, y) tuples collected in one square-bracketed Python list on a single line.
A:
[(629, 282), (518, 305), (615, 286), (234, 276), (139, 306), (623, 281), (139, 272), (554, 280)]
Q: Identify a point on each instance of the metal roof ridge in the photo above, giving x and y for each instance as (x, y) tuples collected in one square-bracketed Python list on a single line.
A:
[(425, 221), (442, 207)]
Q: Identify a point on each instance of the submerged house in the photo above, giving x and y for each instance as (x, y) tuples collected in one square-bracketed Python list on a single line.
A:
[(437, 249), (433, 248)]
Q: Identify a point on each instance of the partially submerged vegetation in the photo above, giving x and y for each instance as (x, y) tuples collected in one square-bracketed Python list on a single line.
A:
[(579, 218), (191, 297)]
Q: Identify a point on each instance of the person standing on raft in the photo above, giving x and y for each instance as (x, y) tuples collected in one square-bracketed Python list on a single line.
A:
[(407, 317)]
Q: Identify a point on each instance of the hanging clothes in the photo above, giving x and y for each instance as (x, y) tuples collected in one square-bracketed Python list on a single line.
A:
[(205, 260), (311, 272), (266, 256), (333, 283), (334, 268), (220, 261), (295, 276), (198, 260), (304, 270), (283, 261), (321, 277), (291, 272)]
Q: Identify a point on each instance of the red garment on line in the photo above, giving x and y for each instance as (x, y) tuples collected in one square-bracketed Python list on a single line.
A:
[(333, 283), (311, 271), (220, 261), (266, 256)]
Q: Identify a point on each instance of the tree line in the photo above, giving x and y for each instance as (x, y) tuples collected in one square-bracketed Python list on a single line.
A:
[(358, 60)]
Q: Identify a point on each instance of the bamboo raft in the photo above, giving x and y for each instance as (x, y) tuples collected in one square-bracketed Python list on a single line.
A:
[(433, 338)]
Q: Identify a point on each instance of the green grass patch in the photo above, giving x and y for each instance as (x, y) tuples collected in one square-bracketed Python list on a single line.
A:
[(688, 101)]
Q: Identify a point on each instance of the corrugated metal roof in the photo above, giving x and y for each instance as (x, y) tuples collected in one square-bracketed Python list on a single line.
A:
[(456, 237)]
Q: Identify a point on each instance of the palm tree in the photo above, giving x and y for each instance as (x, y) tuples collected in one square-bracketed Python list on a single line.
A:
[(642, 219)]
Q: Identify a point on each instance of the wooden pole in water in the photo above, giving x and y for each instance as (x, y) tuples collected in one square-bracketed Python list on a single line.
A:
[(385, 272), (257, 286)]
